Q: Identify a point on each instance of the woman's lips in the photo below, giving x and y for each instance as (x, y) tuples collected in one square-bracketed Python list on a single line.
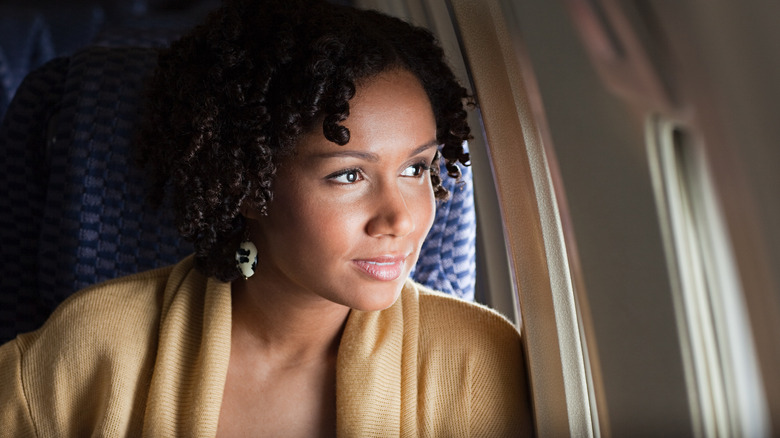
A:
[(386, 268)]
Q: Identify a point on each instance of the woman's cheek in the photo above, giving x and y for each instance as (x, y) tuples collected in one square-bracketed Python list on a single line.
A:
[(424, 209), (338, 215)]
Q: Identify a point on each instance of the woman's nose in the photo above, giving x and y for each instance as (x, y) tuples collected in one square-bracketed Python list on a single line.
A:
[(391, 214)]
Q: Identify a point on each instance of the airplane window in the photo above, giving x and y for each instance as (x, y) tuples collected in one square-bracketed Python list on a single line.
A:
[(661, 317), (719, 355)]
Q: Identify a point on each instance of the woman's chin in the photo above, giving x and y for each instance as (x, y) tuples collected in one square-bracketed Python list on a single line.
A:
[(371, 299)]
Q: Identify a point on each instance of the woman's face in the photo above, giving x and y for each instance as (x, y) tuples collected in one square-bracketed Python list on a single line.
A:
[(346, 222)]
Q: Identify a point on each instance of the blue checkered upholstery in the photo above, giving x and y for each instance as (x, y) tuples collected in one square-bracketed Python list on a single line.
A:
[(74, 212), (24, 174), (95, 224), (448, 256)]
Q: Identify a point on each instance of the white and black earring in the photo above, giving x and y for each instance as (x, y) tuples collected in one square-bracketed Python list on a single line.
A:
[(246, 258)]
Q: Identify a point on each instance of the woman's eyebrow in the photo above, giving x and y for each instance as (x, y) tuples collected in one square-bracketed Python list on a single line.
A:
[(431, 144), (370, 156), (367, 156)]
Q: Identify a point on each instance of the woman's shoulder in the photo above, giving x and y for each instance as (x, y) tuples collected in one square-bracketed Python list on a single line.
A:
[(132, 290), (454, 320), (106, 314), (458, 331), (95, 352), (471, 363)]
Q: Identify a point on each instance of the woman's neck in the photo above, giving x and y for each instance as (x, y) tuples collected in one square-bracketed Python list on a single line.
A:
[(286, 328), (281, 380)]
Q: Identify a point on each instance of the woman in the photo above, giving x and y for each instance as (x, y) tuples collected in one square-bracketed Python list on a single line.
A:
[(300, 141)]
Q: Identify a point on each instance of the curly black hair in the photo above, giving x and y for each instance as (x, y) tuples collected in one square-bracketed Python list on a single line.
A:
[(230, 99)]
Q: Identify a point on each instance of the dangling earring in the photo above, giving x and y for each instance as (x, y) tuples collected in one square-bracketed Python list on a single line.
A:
[(246, 258)]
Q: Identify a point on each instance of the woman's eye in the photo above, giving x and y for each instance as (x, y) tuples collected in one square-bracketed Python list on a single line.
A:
[(415, 170), (347, 177)]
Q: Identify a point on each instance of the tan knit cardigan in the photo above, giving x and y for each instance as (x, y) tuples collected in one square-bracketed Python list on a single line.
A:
[(147, 355)]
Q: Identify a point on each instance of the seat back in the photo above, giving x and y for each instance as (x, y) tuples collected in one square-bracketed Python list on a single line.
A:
[(24, 174), (75, 213)]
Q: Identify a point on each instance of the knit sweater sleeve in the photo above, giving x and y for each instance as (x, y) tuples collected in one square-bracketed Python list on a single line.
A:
[(14, 412), (86, 370)]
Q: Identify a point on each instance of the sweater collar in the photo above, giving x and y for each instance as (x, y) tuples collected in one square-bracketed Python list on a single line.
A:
[(376, 373), (377, 362)]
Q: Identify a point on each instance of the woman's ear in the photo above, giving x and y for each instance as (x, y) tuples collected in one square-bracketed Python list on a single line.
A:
[(250, 211)]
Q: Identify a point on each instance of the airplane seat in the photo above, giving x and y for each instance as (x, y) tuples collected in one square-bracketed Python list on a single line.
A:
[(75, 212), (23, 181), (448, 256)]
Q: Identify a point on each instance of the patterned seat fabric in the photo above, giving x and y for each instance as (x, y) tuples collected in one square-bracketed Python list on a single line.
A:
[(95, 223), (74, 212), (448, 256), (23, 182)]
